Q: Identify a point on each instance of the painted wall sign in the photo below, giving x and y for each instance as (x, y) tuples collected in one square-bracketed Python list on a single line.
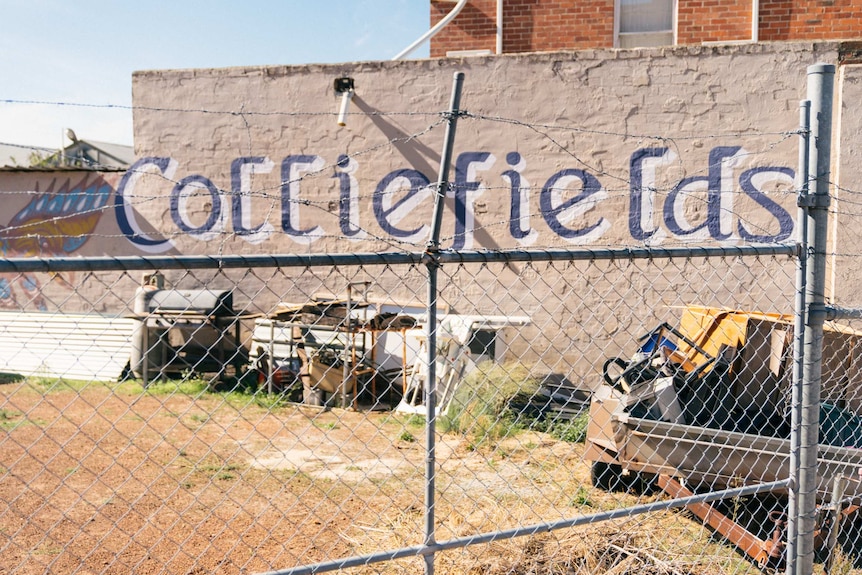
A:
[(566, 206)]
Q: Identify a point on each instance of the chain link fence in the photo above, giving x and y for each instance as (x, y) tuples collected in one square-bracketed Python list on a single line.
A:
[(506, 412), (269, 414)]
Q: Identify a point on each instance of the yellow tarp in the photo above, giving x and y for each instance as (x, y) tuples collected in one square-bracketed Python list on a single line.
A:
[(714, 328)]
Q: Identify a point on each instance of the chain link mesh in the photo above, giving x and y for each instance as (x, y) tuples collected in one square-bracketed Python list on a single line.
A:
[(241, 420)]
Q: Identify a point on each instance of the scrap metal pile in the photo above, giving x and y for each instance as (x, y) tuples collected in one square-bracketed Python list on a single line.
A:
[(707, 405)]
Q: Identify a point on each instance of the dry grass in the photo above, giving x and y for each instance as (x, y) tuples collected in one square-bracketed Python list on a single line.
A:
[(101, 480)]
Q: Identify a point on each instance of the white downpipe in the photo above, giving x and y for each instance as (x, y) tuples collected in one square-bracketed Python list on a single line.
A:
[(755, 20), (500, 26), (437, 27), (345, 103)]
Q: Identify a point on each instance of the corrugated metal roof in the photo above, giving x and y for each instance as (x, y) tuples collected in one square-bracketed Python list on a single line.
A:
[(102, 169), (18, 156), (125, 155), (81, 155), (84, 347)]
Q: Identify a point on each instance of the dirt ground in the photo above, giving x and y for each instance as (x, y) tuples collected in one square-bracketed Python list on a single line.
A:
[(98, 480)]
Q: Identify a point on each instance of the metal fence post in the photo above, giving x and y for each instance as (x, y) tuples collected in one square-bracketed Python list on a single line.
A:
[(799, 322), (820, 83), (433, 263)]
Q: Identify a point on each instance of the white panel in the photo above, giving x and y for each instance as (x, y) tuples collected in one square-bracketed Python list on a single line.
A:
[(94, 348)]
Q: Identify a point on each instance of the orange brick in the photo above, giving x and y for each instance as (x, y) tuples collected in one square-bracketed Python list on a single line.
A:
[(531, 25)]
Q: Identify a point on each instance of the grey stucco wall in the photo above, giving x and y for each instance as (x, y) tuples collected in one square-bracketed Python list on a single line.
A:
[(585, 112), (846, 239), (658, 147)]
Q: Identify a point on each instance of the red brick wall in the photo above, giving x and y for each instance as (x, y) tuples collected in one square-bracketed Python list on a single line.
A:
[(713, 21), (548, 25), (528, 25), (810, 20)]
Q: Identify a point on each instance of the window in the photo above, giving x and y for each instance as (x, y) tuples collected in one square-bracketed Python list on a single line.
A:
[(643, 23), (483, 342)]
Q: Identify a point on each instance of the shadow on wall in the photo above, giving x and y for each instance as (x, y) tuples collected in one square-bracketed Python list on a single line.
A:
[(473, 28), (422, 158)]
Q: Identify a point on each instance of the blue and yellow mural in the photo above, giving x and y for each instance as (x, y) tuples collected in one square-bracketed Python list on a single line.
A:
[(55, 222)]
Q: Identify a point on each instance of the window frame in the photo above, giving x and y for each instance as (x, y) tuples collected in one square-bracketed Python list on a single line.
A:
[(673, 30)]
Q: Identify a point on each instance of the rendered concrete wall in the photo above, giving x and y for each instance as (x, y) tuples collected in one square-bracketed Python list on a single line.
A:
[(596, 148), (652, 147), (846, 220), (660, 147)]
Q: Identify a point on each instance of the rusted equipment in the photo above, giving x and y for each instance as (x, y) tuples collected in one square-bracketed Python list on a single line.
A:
[(186, 330), (708, 403), (768, 553)]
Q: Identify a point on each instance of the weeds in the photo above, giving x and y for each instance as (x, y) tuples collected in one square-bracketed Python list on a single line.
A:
[(581, 498), (50, 384), (10, 419), (217, 471), (194, 387), (485, 410), (572, 431), (10, 377), (411, 420), (199, 418)]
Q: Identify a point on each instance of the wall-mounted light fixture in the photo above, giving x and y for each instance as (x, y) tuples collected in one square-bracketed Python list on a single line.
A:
[(344, 86)]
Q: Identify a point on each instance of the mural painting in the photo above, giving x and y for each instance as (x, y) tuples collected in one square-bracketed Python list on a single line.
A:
[(55, 222)]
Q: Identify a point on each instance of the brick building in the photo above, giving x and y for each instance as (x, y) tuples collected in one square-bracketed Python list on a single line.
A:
[(552, 25)]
